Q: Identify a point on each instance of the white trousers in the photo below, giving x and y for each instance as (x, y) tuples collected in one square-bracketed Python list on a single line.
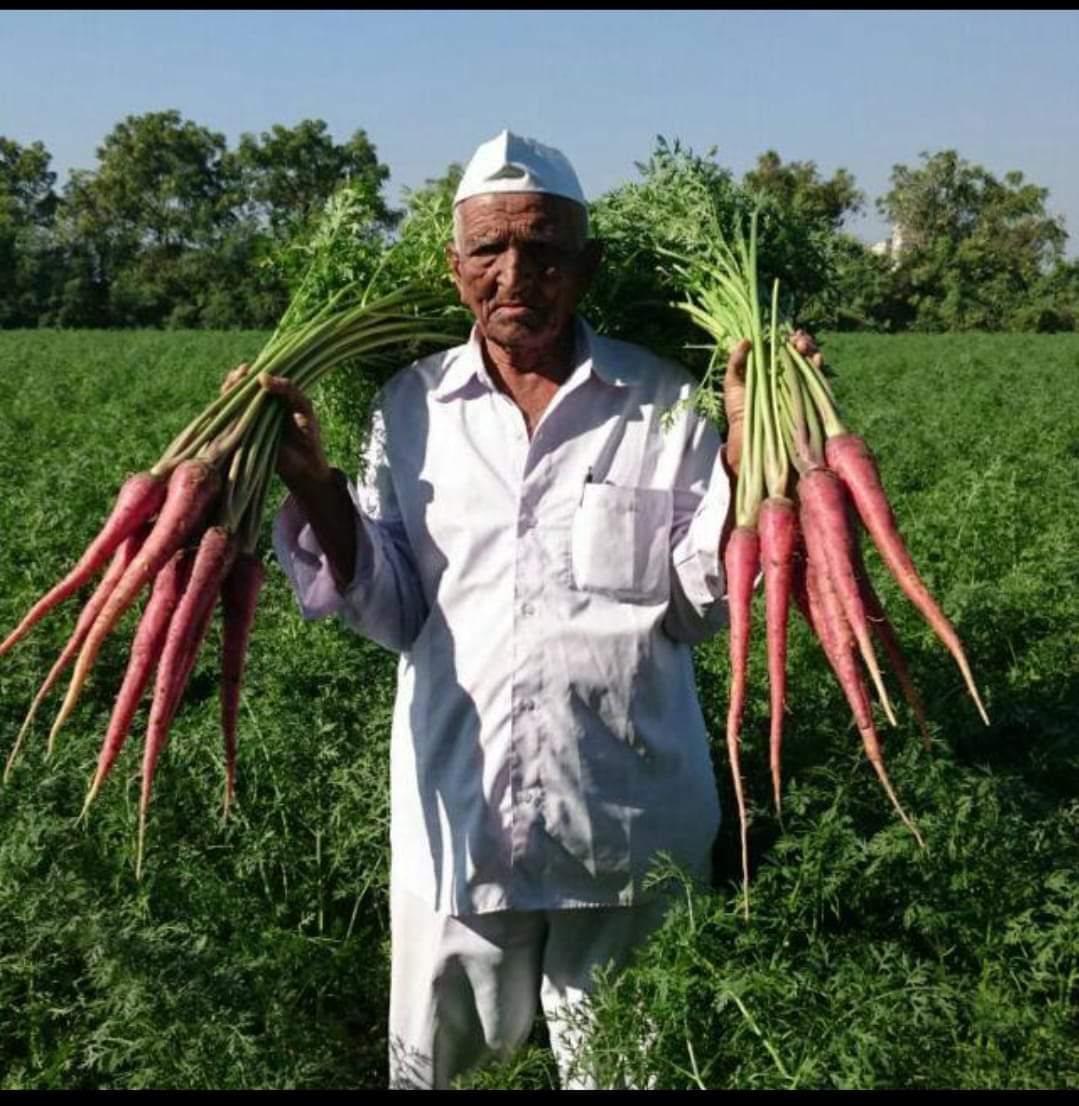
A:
[(464, 990)]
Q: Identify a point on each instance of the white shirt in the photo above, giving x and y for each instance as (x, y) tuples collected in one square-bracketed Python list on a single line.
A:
[(544, 595)]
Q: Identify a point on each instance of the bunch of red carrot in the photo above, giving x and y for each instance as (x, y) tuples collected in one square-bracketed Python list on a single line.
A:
[(803, 484), (189, 527)]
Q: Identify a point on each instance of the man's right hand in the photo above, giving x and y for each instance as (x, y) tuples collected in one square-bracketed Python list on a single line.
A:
[(301, 461), (320, 490)]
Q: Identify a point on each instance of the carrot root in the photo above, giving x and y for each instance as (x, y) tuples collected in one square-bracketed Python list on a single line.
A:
[(741, 563), (120, 560), (188, 627), (778, 527), (886, 635), (835, 639), (145, 649), (192, 489), (850, 458), (828, 533), (139, 499)]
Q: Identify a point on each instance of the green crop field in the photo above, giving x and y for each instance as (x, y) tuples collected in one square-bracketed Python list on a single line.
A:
[(254, 953)]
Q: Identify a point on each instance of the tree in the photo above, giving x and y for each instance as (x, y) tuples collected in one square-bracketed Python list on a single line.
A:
[(27, 209), (26, 183), (161, 182), (798, 187), (973, 248), (162, 189), (288, 173)]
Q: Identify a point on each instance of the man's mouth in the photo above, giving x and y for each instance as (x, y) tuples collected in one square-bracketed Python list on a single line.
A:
[(513, 309)]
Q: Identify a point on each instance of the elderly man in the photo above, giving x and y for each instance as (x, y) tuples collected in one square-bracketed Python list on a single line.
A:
[(541, 545)]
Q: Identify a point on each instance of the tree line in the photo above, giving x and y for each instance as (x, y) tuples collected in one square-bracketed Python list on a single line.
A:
[(173, 229)]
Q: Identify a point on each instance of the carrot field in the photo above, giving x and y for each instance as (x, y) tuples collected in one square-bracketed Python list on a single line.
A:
[(255, 953)]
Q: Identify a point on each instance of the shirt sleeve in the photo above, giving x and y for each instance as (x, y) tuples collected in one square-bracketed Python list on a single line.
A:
[(702, 502), (383, 601)]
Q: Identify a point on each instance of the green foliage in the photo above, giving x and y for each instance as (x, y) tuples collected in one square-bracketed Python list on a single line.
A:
[(161, 193), (864, 293), (342, 248), (288, 173), (661, 236), (417, 256), (27, 207), (798, 187), (974, 250), (255, 954), (26, 183), (172, 229)]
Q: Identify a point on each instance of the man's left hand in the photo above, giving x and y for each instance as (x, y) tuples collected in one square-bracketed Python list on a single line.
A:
[(734, 390), (734, 401)]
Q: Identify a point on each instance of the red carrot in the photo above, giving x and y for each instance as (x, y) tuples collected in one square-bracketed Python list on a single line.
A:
[(123, 556), (139, 500), (186, 662), (216, 552), (838, 645), (192, 489), (145, 650), (741, 563), (239, 598), (778, 527), (829, 538), (882, 627), (214, 558), (850, 457)]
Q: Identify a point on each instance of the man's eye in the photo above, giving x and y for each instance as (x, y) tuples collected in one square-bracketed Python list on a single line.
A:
[(555, 256)]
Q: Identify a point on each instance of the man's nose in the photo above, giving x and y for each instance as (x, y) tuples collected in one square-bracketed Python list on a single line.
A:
[(518, 267)]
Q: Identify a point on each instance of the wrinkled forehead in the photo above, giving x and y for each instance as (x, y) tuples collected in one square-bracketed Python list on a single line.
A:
[(537, 214)]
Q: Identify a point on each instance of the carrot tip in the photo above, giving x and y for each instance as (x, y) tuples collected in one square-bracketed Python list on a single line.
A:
[(981, 709), (778, 797), (57, 726), (887, 785), (91, 795), (10, 765)]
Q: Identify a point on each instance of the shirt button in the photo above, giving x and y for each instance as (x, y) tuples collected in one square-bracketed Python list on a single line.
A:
[(527, 609), (528, 705), (525, 523)]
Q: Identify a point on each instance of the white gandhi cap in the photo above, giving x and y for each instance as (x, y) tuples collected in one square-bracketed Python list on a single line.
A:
[(510, 163)]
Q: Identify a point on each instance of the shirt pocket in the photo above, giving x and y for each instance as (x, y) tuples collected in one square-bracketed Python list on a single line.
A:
[(620, 542)]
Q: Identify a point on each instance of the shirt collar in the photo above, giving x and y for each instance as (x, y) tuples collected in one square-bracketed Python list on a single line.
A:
[(593, 355)]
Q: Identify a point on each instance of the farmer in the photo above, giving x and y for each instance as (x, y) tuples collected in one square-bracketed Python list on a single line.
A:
[(539, 540)]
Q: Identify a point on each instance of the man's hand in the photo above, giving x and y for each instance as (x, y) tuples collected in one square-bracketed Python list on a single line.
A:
[(319, 490), (734, 390), (805, 345), (301, 461), (734, 401)]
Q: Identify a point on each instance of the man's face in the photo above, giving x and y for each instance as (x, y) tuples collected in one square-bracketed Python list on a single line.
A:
[(521, 265)]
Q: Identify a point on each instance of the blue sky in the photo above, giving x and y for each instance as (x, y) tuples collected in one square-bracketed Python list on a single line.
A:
[(860, 90)]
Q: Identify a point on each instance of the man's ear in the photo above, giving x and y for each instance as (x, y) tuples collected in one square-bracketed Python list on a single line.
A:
[(591, 257), (453, 260)]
